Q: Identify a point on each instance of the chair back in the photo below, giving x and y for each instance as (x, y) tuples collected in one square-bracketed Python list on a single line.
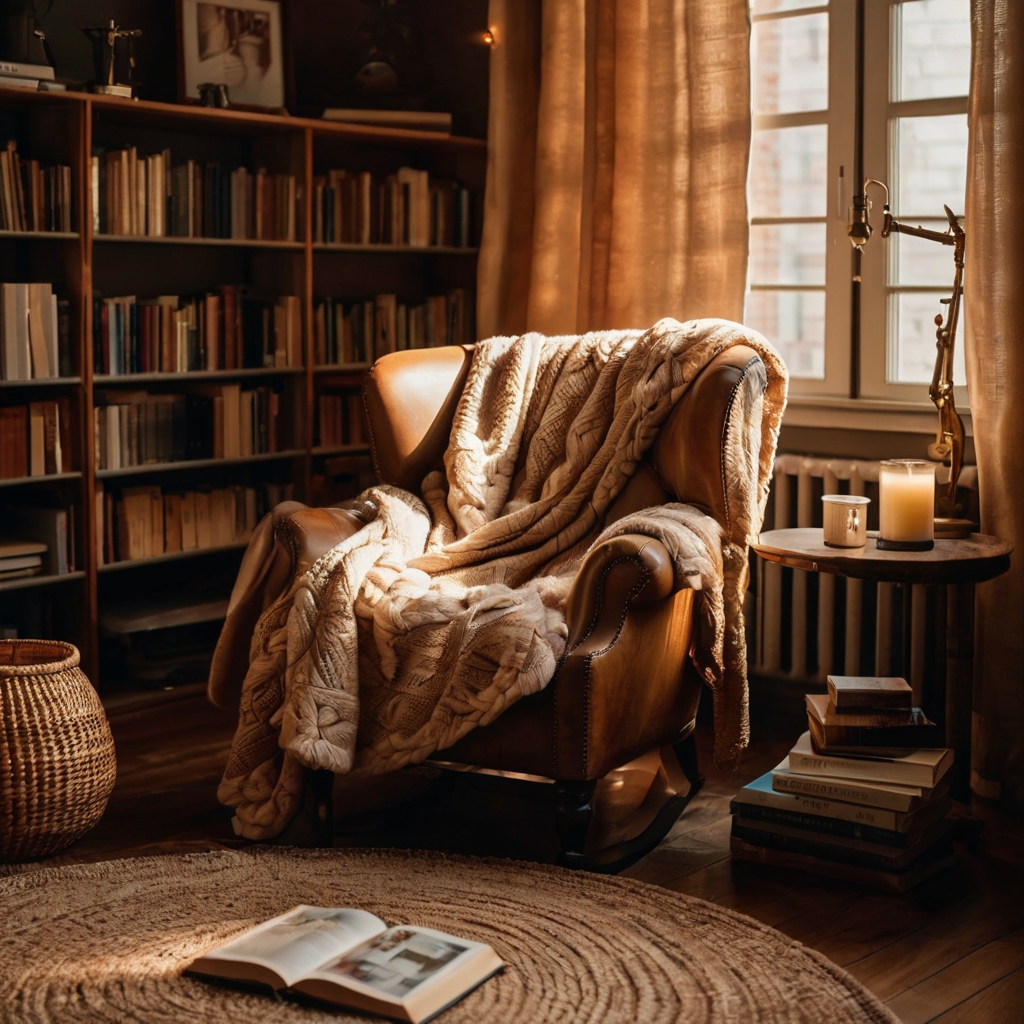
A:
[(411, 397)]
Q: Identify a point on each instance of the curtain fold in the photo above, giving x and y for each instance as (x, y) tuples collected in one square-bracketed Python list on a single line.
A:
[(618, 145), (994, 287)]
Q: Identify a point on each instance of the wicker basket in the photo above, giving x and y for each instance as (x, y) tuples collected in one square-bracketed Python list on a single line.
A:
[(57, 763)]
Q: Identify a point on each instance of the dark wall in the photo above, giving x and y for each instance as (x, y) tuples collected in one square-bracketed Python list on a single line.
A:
[(445, 64)]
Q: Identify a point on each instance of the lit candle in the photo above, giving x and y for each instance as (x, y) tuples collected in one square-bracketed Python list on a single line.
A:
[(906, 505)]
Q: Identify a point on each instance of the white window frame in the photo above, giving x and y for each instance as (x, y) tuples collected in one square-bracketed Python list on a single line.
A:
[(877, 331), (840, 121)]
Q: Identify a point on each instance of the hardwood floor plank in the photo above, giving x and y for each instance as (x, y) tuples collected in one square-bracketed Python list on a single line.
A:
[(993, 909), (960, 980), (1000, 1003)]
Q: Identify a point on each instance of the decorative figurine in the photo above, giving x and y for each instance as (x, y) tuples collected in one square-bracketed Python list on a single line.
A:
[(114, 58)]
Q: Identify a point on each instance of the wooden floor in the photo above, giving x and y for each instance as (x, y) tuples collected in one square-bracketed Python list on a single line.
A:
[(952, 951)]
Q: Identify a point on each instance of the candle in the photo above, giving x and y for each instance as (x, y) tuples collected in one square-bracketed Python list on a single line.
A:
[(906, 505)]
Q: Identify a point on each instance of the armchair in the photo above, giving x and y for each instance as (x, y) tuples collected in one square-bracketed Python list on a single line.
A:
[(626, 686)]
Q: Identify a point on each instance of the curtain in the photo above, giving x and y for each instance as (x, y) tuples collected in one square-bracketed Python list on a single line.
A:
[(994, 287), (619, 137)]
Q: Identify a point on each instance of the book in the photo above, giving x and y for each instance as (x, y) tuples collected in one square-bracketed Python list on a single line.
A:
[(18, 69), (840, 848), (760, 800), (20, 558), (930, 863), (854, 693), (871, 732), (352, 958), (855, 791), (423, 120), (47, 527), (914, 767)]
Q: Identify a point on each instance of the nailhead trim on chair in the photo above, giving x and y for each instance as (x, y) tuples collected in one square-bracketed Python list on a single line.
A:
[(636, 589)]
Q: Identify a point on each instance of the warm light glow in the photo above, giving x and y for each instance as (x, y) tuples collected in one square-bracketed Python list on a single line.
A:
[(490, 36), (906, 500)]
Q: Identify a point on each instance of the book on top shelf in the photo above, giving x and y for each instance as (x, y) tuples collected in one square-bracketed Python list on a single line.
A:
[(353, 959), (33, 197)]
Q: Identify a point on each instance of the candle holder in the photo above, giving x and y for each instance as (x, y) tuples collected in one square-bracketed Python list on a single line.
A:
[(906, 505)]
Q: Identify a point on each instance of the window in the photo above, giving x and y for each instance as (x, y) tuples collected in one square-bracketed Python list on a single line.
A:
[(803, 73)]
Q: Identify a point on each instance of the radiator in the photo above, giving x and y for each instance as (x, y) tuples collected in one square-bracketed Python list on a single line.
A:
[(810, 625)]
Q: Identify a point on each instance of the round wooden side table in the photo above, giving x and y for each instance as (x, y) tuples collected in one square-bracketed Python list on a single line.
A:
[(956, 564)]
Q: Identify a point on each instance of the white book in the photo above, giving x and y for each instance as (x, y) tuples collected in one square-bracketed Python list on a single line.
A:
[(895, 798), (912, 768)]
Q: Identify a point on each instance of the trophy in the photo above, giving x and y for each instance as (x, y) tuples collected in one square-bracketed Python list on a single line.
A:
[(114, 58)]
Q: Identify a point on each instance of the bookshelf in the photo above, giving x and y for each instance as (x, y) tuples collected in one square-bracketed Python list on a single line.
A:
[(86, 604)]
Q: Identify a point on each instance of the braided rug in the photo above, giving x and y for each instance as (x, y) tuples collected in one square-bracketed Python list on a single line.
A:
[(108, 942)]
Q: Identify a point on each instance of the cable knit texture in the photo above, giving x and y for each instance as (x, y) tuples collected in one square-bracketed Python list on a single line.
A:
[(446, 609)]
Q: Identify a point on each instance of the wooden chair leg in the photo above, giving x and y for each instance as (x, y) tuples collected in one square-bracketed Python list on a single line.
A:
[(573, 812), (686, 751)]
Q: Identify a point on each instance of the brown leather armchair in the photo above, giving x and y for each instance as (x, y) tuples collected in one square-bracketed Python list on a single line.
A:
[(626, 686)]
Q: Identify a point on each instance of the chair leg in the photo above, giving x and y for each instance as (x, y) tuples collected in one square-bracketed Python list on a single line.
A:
[(573, 812), (686, 751), (321, 782)]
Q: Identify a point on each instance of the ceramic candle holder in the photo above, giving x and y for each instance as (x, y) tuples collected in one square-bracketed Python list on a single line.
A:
[(906, 505), (845, 520)]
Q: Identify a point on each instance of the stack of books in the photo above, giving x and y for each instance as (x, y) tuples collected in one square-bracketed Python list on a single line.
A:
[(862, 796)]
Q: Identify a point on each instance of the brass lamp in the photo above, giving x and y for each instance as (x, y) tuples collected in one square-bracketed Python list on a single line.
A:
[(948, 446)]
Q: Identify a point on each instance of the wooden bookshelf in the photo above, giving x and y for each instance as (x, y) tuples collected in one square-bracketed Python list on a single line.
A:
[(67, 128)]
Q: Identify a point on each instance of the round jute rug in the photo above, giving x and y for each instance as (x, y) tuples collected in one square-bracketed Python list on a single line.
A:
[(108, 942)]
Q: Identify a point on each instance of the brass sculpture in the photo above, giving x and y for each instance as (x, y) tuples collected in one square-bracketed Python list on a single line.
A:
[(948, 446)]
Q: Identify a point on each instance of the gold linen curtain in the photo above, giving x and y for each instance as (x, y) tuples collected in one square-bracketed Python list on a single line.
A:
[(994, 287), (619, 137)]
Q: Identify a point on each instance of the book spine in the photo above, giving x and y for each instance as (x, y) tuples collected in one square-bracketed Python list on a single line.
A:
[(842, 790), (897, 772), (822, 825), (827, 851)]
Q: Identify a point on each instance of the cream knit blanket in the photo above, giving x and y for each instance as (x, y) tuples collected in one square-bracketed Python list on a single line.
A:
[(442, 612)]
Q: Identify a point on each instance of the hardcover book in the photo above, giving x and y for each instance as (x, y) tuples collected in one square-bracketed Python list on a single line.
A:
[(854, 693), (911, 768), (353, 959), (868, 732)]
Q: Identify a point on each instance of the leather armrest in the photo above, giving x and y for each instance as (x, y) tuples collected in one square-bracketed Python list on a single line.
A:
[(631, 569), (288, 541)]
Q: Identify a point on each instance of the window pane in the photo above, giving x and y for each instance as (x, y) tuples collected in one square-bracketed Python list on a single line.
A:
[(913, 316), (790, 64), (930, 165), (794, 322), (919, 260), (767, 6), (787, 254), (787, 171), (934, 40)]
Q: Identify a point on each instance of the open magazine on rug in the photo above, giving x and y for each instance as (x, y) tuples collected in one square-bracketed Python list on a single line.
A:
[(352, 958)]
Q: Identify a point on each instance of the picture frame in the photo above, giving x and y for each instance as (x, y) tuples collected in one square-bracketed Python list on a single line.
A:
[(237, 43)]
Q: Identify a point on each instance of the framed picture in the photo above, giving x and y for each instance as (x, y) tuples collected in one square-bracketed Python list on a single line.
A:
[(238, 44)]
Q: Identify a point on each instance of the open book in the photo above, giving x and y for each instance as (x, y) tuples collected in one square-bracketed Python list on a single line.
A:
[(354, 959)]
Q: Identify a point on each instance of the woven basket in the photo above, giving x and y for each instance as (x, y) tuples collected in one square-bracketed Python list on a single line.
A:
[(57, 763)]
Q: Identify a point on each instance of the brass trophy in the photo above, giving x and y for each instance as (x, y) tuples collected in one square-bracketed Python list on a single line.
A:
[(948, 446), (114, 58)]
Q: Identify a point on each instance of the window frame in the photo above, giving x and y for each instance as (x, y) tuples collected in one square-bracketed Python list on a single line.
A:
[(877, 333), (839, 119)]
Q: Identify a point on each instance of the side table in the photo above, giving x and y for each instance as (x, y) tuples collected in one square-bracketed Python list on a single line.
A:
[(956, 564)]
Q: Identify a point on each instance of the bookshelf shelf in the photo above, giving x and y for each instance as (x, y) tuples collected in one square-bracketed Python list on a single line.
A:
[(408, 250), (132, 379), (68, 129), (175, 467), (175, 556), (25, 582), (32, 236), (228, 243), (49, 478), (42, 382)]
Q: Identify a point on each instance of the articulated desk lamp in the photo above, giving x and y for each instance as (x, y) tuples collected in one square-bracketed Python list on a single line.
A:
[(948, 446)]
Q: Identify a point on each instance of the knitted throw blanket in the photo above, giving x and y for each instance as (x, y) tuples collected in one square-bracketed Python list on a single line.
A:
[(442, 612)]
